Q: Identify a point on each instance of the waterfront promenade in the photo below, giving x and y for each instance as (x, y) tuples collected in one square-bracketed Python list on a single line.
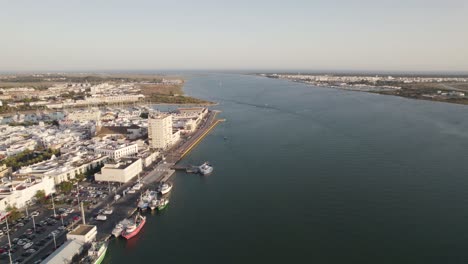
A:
[(126, 206)]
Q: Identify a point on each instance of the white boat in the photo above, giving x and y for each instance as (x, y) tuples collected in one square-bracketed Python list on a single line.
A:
[(165, 187), (117, 231), (205, 169)]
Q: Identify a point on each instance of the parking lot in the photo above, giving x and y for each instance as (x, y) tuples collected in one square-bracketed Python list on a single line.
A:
[(31, 245)]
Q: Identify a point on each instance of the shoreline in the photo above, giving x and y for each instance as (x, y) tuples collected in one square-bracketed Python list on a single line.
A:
[(383, 91)]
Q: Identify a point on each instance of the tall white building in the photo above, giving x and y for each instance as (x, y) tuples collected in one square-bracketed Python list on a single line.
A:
[(160, 130)]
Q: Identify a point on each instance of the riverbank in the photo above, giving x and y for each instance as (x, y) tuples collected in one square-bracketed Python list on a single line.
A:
[(448, 89), (162, 172)]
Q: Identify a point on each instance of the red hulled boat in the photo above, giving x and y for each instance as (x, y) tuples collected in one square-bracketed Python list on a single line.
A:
[(134, 228)]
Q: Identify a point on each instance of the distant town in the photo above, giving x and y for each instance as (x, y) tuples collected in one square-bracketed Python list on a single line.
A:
[(20, 93), (77, 154), (451, 89)]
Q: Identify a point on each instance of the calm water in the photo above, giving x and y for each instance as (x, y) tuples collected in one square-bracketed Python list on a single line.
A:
[(315, 175)]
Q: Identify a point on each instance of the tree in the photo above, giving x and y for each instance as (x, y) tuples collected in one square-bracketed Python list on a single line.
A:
[(80, 176), (65, 187), (40, 196), (14, 213)]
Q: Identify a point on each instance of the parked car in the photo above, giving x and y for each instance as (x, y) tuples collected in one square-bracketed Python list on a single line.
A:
[(28, 245)]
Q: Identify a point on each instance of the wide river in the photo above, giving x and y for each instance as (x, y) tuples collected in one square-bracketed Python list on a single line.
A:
[(315, 175)]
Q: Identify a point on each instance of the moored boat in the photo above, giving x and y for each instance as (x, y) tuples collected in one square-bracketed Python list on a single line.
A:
[(205, 169), (134, 228), (146, 199), (117, 231), (97, 252), (165, 187), (163, 203), (154, 204)]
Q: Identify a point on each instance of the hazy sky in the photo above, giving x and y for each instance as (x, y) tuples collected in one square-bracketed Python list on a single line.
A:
[(236, 34)]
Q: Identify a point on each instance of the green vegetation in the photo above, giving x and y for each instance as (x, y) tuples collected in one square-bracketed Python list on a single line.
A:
[(14, 213), (26, 123), (40, 197), (168, 99), (4, 109), (29, 157), (90, 173), (65, 187), (144, 115)]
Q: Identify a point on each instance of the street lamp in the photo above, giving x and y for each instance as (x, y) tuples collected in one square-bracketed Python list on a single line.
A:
[(55, 242), (34, 223), (78, 192), (53, 204), (9, 241)]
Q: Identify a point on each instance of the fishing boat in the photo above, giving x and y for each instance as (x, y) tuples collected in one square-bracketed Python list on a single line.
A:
[(117, 231), (146, 199), (163, 203), (154, 204), (96, 253), (134, 228)]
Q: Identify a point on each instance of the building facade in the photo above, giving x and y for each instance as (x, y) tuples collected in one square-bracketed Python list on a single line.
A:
[(116, 152), (122, 171), (20, 191), (160, 130)]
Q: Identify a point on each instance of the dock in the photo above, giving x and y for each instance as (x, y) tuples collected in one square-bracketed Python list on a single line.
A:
[(127, 205)]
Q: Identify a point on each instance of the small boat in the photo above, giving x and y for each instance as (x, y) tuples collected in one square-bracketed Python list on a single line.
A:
[(163, 203), (205, 168), (117, 231), (134, 228), (96, 253), (165, 187)]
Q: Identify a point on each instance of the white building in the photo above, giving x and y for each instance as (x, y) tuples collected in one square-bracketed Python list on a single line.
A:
[(160, 130), (84, 115), (64, 254), (21, 146), (74, 245), (83, 233), (116, 151), (65, 167), (19, 191), (121, 171), (148, 157)]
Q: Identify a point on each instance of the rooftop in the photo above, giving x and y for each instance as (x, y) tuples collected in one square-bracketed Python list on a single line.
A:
[(121, 164), (82, 230)]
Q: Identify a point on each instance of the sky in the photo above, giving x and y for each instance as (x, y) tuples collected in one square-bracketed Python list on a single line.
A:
[(398, 35)]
